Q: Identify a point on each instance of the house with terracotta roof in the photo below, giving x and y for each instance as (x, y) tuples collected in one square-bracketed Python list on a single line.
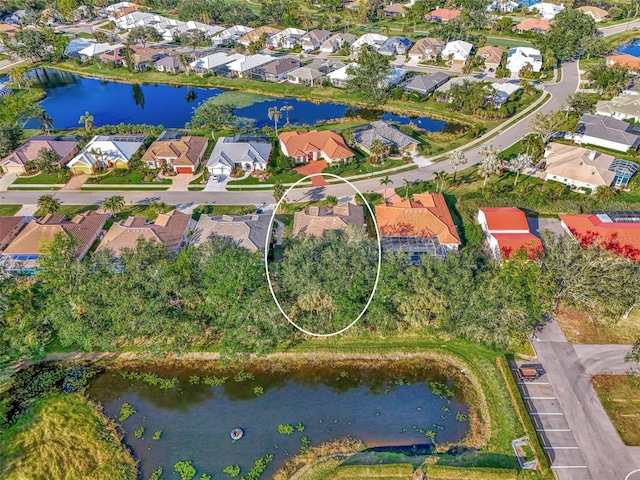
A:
[(426, 49), (9, 229), (625, 60), (248, 231), (65, 147), (425, 216), (598, 14), (492, 57), (8, 29), (316, 221), (183, 155), (442, 15), (23, 252), (618, 231), (315, 145), (507, 231), (537, 25), (169, 229)]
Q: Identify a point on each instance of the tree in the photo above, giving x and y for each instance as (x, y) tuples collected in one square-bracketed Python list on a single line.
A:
[(567, 31), (47, 161), (67, 7), (581, 102), (185, 63), (194, 38), (19, 76), (490, 163), (467, 97), (331, 201), (441, 180), (143, 34), (502, 73), (593, 46), (503, 23), (274, 114), (407, 186), (88, 121), (377, 150), (533, 146), (212, 116), (46, 121), (10, 137), (385, 181), (519, 163), (608, 79), (456, 159), (367, 80), (48, 203), (32, 44), (159, 207), (113, 204), (604, 193), (278, 192), (634, 356), (526, 71), (286, 109), (546, 125)]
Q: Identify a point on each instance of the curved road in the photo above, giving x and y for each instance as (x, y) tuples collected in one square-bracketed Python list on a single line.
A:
[(558, 91)]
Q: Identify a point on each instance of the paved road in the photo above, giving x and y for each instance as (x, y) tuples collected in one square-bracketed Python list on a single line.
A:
[(569, 369)]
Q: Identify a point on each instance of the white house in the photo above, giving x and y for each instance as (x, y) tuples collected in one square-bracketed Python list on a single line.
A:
[(503, 92), (96, 49), (246, 66), (374, 40), (336, 42), (520, 56), (214, 61), (340, 77), (623, 107), (230, 35), (607, 132), (546, 10), (457, 51), (247, 152), (502, 6), (106, 151), (287, 38)]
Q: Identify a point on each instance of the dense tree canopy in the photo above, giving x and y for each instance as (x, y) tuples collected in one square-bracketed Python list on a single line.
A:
[(568, 29), (368, 79)]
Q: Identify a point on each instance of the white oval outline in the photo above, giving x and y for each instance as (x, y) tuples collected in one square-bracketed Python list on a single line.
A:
[(266, 253), (631, 473)]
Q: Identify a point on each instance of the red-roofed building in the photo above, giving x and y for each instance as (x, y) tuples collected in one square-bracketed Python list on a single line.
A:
[(314, 145), (442, 15), (618, 232), (507, 231)]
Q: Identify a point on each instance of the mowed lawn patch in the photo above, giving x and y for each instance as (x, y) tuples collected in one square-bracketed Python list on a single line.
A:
[(620, 397), (9, 210), (579, 329)]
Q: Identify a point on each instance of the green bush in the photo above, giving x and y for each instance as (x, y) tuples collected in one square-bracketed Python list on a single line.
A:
[(445, 472)]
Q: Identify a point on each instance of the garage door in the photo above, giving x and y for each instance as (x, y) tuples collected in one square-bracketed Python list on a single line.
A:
[(184, 170)]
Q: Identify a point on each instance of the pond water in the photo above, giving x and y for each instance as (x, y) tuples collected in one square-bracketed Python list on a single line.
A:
[(110, 103), (631, 48), (380, 407)]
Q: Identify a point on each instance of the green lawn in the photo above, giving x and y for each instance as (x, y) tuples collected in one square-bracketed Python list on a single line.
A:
[(125, 177), (69, 210), (364, 167), (223, 210), (9, 210), (43, 179), (620, 397), (281, 177), (507, 42)]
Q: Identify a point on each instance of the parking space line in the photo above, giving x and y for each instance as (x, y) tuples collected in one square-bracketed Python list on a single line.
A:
[(561, 448), (540, 398), (547, 413), (558, 467), (553, 430)]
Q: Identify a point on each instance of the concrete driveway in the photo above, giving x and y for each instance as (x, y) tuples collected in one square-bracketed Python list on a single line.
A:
[(219, 185), (6, 180)]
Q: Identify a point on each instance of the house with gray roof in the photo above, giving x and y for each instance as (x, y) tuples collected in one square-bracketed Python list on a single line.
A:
[(457, 81), (277, 71), (395, 46), (326, 65), (312, 40), (249, 152), (425, 84), (622, 107), (364, 136), (168, 63), (607, 132), (307, 76), (248, 231), (336, 42)]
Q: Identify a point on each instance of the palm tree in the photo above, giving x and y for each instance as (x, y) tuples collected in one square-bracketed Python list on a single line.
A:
[(331, 201), (19, 76), (385, 181), (48, 203), (519, 163), (407, 185), (378, 149), (490, 162), (456, 159), (158, 207), (275, 114), (113, 204), (441, 179), (287, 109), (46, 121), (184, 62), (87, 119)]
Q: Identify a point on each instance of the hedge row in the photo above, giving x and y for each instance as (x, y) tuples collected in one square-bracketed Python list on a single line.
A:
[(445, 472)]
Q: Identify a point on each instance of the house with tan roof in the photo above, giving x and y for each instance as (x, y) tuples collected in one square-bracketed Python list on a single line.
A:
[(538, 25), (442, 14), (598, 14), (315, 145), (507, 231), (307, 76), (23, 252), (426, 49), (277, 71), (582, 168), (492, 57), (248, 231), (622, 107), (9, 229), (169, 229), (254, 35), (317, 220), (394, 10), (425, 216), (15, 162), (625, 60), (183, 155), (313, 39)]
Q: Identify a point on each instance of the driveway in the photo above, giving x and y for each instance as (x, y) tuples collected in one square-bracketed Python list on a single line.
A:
[(75, 182), (180, 183), (314, 167), (219, 185), (6, 180)]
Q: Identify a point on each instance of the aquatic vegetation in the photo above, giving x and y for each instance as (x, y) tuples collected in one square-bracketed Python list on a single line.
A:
[(300, 427), (305, 445), (461, 417), (258, 390), (238, 99), (185, 470), (139, 432), (232, 470), (126, 411), (157, 434), (241, 376), (152, 379), (441, 390), (214, 381), (204, 476), (259, 466), (285, 429), (157, 473)]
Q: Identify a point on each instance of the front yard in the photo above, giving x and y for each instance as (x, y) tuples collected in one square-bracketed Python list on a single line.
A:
[(124, 177), (44, 179)]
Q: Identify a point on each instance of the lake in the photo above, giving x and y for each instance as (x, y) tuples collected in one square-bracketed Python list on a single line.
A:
[(631, 48), (110, 103), (392, 406)]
